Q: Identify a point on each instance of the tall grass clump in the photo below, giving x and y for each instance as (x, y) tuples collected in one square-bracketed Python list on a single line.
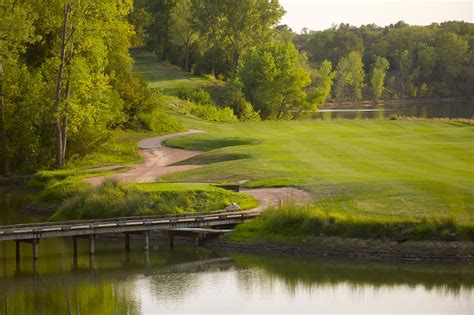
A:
[(113, 199), (295, 222)]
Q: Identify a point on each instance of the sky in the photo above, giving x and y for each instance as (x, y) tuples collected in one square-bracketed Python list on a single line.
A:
[(322, 14)]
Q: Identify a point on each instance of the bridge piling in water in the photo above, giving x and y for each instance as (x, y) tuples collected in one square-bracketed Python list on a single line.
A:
[(17, 251), (127, 242), (171, 238), (146, 246), (35, 245), (74, 247), (91, 244)]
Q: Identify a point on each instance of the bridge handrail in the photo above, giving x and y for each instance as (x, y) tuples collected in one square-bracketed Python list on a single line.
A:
[(129, 218), (88, 224)]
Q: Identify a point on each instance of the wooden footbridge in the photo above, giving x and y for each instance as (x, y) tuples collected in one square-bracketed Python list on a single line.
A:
[(196, 225)]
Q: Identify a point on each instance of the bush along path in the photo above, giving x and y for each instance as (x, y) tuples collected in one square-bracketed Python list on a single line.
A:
[(160, 160)]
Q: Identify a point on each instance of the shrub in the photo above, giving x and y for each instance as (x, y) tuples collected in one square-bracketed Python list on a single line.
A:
[(230, 94), (199, 96), (160, 122), (213, 113)]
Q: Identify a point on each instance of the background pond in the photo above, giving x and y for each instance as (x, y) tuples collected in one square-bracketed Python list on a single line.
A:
[(456, 109)]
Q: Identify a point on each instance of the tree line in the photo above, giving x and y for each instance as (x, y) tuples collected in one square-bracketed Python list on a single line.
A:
[(226, 38), (397, 61)]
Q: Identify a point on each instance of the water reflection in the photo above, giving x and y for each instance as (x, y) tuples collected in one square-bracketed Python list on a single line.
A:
[(464, 109), (190, 280)]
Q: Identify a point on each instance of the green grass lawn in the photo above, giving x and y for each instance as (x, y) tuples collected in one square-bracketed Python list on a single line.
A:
[(163, 76), (378, 169), (373, 168)]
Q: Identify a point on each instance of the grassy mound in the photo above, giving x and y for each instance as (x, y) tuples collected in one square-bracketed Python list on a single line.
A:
[(113, 199), (296, 223)]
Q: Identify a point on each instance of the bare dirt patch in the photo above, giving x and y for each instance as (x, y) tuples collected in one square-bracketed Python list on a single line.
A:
[(276, 197)]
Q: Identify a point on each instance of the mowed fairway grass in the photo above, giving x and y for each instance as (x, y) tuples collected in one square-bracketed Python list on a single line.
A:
[(159, 75), (374, 168)]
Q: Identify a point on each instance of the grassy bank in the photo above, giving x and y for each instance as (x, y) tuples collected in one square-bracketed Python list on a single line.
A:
[(298, 224), (112, 199), (373, 168)]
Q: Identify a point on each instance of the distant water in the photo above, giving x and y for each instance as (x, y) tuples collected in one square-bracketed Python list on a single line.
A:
[(195, 280), (463, 109)]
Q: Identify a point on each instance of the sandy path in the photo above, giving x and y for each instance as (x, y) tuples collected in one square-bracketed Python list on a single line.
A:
[(158, 159), (278, 196)]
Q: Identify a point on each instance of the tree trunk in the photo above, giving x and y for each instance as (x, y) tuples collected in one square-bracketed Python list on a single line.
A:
[(235, 61), (65, 120), (58, 93), (186, 56), (281, 108), (3, 132)]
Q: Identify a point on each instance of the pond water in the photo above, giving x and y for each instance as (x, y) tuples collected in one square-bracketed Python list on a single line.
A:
[(196, 280), (455, 109)]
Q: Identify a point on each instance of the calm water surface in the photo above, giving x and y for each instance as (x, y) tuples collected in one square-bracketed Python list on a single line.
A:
[(458, 109), (195, 280)]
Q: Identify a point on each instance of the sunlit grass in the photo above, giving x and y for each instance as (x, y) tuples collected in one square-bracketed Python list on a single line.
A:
[(400, 169)]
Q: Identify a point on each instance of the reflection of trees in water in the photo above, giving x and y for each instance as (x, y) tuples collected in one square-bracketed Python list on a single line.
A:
[(175, 282), (103, 298), (308, 274), (108, 288)]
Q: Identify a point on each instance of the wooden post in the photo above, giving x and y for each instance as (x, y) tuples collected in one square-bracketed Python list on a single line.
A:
[(171, 242), (127, 242), (17, 251), (91, 244), (35, 267), (196, 241), (146, 247), (91, 263), (35, 244), (74, 246), (146, 258)]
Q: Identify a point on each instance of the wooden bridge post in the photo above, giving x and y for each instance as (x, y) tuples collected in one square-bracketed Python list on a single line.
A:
[(127, 242), (171, 242), (147, 241), (17, 251), (74, 246), (35, 244), (91, 244)]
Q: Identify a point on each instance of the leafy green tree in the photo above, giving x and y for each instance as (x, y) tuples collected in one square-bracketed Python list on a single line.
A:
[(377, 79), (451, 53), (16, 30), (274, 76), (184, 33), (349, 80), (237, 25), (322, 79)]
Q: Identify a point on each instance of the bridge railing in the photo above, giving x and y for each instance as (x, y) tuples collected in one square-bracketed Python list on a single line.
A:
[(67, 226), (129, 218)]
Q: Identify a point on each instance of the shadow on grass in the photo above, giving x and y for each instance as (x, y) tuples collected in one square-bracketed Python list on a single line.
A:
[(204, 143), (212, 158)]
